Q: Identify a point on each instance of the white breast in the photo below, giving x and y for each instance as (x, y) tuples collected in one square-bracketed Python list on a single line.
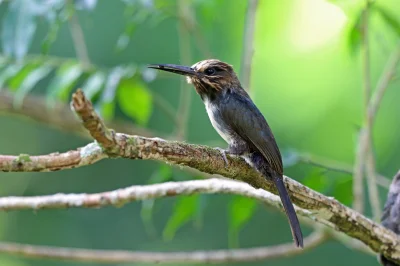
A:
[(213, 114)]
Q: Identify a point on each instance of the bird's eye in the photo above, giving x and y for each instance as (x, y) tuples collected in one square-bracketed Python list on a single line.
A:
[(210, 71)]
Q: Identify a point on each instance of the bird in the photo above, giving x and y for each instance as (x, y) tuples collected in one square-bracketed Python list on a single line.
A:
[(391, 214), (240, 123)]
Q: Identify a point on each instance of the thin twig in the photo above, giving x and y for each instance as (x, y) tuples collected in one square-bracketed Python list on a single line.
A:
[(383, 83), (358, 172), (372, 185), (372, 109), (34, 108), (324, 210), (186, 58), (367, 160), (248, 43), (79, 39), (201, 256), (363, 136), (366, 54), (341, 167)]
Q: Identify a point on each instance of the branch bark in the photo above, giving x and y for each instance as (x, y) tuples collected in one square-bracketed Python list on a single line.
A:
[(34, 108), (201, 256), (123, 196), (325, 210)]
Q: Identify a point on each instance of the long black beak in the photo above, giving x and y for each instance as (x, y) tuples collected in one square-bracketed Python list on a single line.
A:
[(181, 70)]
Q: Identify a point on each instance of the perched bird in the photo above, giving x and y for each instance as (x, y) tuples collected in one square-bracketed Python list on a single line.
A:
[(391, 214), (239, 122)]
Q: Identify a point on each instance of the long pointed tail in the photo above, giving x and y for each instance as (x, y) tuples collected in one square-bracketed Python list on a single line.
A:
[(290, 212)]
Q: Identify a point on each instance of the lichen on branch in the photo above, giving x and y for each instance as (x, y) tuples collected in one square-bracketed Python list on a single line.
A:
[(322, 209)]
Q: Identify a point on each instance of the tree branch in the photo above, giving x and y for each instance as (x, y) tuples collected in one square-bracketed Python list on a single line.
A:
[(34, 108), (363, 136), (372, 109), (325, 210), (383, 83), (91, 121), (203, 256), (122, 196)]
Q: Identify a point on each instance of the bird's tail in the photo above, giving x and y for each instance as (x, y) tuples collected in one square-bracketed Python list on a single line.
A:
[(385, 262), (290, 212)]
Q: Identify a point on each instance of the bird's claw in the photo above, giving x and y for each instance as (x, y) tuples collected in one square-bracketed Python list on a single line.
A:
[(223, 153)]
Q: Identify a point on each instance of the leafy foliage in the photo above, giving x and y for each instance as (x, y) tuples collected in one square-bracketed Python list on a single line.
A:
[(389, 18), (126, 87), (136, 13), (19, 24), (317, 181), (19, 27), (184, 211), (65, 75), (241, 210), (135, 100)]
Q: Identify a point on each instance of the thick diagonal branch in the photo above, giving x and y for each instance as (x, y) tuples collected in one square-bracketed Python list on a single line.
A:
[(325, 209)]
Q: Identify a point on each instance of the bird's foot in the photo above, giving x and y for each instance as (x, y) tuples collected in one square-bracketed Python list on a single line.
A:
[(223, 153)]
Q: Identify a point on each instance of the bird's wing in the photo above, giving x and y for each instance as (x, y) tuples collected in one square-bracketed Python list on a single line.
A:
[(241, 114)]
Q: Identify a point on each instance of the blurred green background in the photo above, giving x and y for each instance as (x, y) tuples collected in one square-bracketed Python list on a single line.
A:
[(306, 79)]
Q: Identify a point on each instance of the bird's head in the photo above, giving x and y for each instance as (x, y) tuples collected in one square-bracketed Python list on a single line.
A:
[(209, 77)]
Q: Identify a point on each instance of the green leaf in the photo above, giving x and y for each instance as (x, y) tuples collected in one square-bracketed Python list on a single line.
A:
[(29, 82), (94, 84), (389, 18), (107, 103), (107, 110), (66, 77), (135, 100), (8, 73), (241, 209), (184, 211), (163, 174), (200, 209), (55, 22), (19, 25), (317, 180), (342, 190), (6, 261), (15, 82), (355, 38)]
